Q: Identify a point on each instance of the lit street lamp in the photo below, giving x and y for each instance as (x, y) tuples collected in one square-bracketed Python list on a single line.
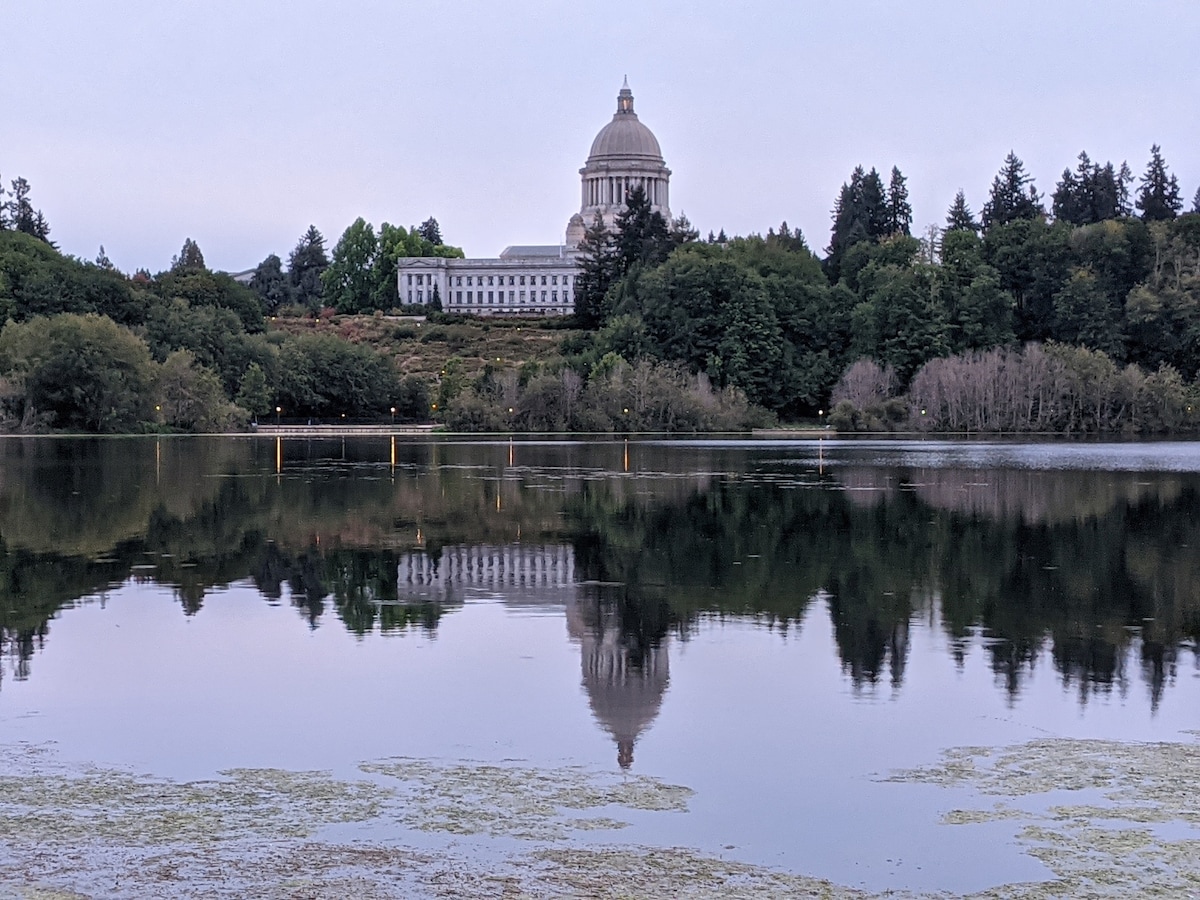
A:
[(278, 410)]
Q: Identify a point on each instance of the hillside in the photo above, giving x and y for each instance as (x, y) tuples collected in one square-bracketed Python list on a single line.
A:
[(424, 348)]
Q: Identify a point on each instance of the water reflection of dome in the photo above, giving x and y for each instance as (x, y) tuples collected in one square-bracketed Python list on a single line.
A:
[(625, 687), (625, 674)]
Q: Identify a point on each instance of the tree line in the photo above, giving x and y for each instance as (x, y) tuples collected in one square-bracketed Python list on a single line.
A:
[(87, 348), (731, 331), (1110, 266), (359, 277)]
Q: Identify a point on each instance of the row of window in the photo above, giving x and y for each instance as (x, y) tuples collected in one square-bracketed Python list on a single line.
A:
[(492, 280), (496, 296)]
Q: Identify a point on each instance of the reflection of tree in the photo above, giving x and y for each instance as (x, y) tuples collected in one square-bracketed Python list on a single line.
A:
[(1092, 570), (1084, 587)]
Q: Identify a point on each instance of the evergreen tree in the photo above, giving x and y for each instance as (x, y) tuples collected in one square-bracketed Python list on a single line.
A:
[(21, 214), (959, 217), (861, 213), (1092, 193), (103, 261), (787, 239), (875, 206), (305, 265), (682, 232), (1124, 180), (642, 236), (849, 227), (1068, 204), (598, 269), (271, 285), (1158, 198), (1013, 195), (190, 259), (899, 211), (1196, 202), (431, 231)]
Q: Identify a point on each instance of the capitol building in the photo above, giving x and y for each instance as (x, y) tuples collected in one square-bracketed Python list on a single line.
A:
[(540, 280)]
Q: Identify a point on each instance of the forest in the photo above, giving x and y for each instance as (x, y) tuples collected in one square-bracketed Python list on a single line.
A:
[(1079, 315), (1076, 312)]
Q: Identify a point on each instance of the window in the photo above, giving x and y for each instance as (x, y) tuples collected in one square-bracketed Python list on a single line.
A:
[(543, 280), (459, 297), (512, 295), (490, 300), (410, 280), (554, 296), (410, 296), (420, 296), (543, 292), (470, 295), (554, 279), (522, 295), (460, 281), (522, 282)]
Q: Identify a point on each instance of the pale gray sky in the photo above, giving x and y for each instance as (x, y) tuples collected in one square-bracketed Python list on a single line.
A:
[(237, 123)]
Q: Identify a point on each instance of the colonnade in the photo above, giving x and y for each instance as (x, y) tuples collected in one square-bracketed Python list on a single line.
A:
[(611, 190)]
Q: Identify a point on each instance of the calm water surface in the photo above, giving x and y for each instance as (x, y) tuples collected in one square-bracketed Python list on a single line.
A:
[(776, 626)]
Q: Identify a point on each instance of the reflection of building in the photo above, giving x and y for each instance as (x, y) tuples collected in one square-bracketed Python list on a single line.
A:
[(625, 686), (625, 673), (524, 572), (540, 280)]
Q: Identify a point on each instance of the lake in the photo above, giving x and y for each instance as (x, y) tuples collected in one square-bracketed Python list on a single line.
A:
[(410, 667)]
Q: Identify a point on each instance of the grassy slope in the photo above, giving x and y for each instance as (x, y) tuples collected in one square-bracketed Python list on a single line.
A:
[(423, 349)]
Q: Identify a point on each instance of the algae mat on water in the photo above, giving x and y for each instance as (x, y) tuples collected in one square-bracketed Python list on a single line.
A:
[(71, 831)]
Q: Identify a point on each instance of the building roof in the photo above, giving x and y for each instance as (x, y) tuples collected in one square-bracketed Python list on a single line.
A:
[(625, 137), (530, 251)]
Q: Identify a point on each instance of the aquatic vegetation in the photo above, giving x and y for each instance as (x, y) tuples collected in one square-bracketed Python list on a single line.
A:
[(1095, 849), (519, 801), (69, 832)]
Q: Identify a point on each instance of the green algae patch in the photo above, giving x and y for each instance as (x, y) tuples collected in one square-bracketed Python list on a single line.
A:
[(48, 803), (520, 801), (1112, 848), (624, 873), (70, 832)]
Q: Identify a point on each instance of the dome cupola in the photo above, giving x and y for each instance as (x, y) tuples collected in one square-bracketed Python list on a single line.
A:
[(625, 136)]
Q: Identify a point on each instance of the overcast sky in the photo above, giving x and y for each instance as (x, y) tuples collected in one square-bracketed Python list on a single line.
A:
[(141, 122)]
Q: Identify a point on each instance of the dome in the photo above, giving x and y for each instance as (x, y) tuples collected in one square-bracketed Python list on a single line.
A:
[(625, 137)]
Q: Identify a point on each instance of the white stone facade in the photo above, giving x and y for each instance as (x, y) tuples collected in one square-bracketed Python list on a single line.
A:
[(540, 280), (511, 285)]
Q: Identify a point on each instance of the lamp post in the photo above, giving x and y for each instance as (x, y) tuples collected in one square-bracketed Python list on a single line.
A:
[(393, 417), (278, 410)]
